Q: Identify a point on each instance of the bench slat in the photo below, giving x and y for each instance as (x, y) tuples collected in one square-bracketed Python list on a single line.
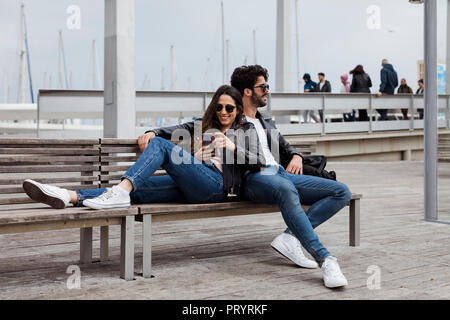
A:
[(48, 168), (50, 142), (19, 189), (58, 151), (119, 158), (40, 159), (50, 180), (72, 213)]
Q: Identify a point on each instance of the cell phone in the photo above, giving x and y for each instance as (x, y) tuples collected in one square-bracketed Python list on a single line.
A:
[(208, 138)]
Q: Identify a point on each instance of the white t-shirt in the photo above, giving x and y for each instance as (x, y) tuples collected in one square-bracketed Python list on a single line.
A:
[(270, 160)]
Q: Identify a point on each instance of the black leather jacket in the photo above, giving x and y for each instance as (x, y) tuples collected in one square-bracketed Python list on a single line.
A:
[(233, 174)]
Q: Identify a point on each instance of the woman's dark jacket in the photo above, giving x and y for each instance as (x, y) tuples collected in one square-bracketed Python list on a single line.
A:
[(233, 174), (361, 83)]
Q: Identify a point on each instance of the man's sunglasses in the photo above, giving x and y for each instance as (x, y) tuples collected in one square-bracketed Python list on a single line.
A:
[(229, 108), (264, 86)]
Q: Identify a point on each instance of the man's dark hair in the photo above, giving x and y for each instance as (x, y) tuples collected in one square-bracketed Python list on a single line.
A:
[(321, 74), (246, 77), (421, 81)]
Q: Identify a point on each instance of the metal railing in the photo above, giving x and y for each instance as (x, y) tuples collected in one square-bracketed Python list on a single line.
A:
[(88, 104)]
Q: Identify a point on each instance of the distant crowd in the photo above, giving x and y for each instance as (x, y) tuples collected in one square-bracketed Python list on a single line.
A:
[(362, 83)]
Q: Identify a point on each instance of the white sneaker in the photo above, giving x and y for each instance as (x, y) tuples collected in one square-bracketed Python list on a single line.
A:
[(332, 275), (55, 197), (291, 248), (114, 197)]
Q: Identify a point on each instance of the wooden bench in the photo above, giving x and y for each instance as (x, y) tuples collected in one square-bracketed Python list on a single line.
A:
[(96, 163), (118, 150), (73, 164)]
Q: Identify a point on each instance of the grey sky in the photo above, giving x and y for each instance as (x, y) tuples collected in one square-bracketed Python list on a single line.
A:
[(333, 39)]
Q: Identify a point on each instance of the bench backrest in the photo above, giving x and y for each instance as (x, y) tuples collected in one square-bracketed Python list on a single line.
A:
[(68, 163)]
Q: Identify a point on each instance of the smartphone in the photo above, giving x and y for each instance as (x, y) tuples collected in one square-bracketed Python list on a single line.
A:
[(208, 138)]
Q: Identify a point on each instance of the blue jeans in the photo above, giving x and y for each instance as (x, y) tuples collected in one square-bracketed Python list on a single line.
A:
[(326, 197), (188, 181)]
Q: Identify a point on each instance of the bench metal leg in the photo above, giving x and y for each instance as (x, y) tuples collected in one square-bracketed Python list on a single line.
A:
[(104, 243), (127, 248), (147, 246), (86, 245), (354, 222)]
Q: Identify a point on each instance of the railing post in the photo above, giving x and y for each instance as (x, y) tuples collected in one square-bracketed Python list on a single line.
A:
[(323, 114), (370, 113), (411, 111), (448, 106)]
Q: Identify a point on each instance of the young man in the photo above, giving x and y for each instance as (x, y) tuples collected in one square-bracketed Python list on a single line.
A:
[(283, 183), (420, 90), (404, 88), (322, 86), (389, 81), (309, 86)]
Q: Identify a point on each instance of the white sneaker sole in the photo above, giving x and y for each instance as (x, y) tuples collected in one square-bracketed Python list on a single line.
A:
[(285, 253), (35, 192), (336, 284), (96, 206)]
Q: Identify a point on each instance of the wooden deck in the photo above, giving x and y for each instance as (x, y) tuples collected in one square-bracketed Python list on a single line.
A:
[(231, 258)]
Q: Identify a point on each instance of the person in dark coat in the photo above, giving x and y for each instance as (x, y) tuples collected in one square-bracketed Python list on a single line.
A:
[(362, 83), (420, 90), (404, 88), (310, 86), (389, 81), (322, 86)]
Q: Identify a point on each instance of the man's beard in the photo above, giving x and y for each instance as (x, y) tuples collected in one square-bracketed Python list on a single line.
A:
[(258, 101)]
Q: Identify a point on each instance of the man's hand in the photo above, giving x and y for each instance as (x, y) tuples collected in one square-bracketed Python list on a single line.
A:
[(379, 94), (296, 165), (145, 139)]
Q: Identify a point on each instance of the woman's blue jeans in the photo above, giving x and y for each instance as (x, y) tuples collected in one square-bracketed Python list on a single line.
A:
[(290, 191), (188, 179)]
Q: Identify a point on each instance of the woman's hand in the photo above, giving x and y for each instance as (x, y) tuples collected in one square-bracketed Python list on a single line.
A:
[(222, 141), (205, 153), (144, 140)]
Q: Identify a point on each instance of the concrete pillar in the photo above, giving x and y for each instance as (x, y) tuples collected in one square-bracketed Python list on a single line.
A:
[(283, 46), (447, 66), (283, 52), (430, 132), (119, 110)]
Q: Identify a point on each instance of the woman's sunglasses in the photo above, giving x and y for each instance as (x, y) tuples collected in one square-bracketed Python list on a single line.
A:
[(229, 108)]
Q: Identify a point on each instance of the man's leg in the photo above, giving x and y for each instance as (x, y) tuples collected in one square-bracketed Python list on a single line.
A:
[(278, 189), (326, 197)]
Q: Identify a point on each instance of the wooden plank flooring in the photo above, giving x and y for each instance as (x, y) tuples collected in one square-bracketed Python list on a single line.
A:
[(231, 258)]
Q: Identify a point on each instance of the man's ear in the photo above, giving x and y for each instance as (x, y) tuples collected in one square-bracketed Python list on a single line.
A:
[(247, 92)]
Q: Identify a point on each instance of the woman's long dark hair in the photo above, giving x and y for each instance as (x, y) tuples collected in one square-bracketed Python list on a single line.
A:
[(210, 119), (358, 70)]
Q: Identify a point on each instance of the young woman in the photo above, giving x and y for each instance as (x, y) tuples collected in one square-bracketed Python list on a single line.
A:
[(361, 82), (200, 177)]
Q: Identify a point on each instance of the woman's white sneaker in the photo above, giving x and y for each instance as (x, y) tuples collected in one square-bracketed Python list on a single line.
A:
[(332, 275), (291, 248), (55, 197), (114, 197)]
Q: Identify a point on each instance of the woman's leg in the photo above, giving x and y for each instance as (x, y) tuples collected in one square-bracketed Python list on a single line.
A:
[(198, 182)]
